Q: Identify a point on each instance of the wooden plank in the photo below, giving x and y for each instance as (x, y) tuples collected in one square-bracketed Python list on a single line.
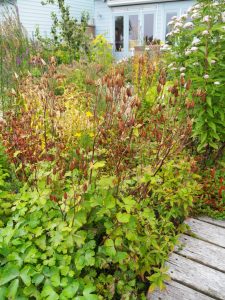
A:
[(202, 252), (197, 276), (177, 291), (212, 221), (207, 232)]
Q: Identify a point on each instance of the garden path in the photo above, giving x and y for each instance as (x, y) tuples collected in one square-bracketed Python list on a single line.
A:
[(197, 266)]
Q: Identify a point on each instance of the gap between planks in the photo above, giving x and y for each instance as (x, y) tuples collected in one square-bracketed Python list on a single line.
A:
[(197, 267), (177, 291), (202, 252), (197, 276), (219, 223), (207, 232)]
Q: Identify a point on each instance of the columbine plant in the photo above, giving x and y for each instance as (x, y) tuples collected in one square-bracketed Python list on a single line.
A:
[(198, 44)]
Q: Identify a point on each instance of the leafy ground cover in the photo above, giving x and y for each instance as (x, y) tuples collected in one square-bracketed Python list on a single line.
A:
[(102, 162)]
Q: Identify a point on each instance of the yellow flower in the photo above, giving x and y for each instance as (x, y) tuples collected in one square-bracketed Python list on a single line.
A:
[(89, 114), (78, 134)]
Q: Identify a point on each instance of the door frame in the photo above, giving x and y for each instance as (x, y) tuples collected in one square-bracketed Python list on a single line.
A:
[(140, 12)]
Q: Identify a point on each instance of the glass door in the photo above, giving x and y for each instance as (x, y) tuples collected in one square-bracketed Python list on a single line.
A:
[(134, 32), (119, 34), (126, 34), (148, 28)]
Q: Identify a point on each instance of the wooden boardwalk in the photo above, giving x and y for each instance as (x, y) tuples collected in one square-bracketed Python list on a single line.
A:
[(197, 267)]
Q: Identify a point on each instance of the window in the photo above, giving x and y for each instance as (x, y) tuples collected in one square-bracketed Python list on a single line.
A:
[(133, 31), (119, 33), (169, 16), (148, 28)]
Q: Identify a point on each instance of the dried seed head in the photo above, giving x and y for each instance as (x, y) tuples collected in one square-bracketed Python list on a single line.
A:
[(188, 85), (182, 80), (159, 88)]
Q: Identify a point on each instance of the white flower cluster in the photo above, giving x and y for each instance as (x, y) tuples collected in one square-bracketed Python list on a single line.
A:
[(215, 3), (165, 47), (206, 19), (205, 32), (196, 41), (191, 50), (125, 59), (188, 25)]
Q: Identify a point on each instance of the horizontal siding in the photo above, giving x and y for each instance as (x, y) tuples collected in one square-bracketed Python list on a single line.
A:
[(33, 13), (103, 19)]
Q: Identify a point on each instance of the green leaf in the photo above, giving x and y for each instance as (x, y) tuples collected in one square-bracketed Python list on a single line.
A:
[(209, 101), (49, 293), (80, 238), (110, 201), (12, 289), (110, 249), (8, 273), (98, 165), (213, 145), (204, 137), (89, 258), (123, 217), (25, 276), (37, 279), (41, 242), (16, 154), (3, 291), (87, 292), (55, 279), (212, 125), (79, 262), (70, 291), (32, 291)]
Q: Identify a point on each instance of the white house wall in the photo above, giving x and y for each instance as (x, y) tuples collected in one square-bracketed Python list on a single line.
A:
[(104, 16), (33, 13), (103, 19), (3, 9)]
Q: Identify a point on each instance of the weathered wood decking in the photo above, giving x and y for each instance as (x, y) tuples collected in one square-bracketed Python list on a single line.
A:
[(197, 266)]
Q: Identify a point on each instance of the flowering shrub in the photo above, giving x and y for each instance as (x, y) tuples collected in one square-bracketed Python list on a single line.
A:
[(108, 185), (101, 51), (198, 44), (145, 74), (47, 121)]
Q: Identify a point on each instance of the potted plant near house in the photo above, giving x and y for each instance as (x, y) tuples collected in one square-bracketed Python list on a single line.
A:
[(149, 44)]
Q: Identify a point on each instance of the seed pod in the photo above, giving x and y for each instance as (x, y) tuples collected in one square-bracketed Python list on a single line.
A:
[(182, 80), (204, 96), (72, 166), (159, 88), (162, 80), (54, 171), (85, 187), (129, 93), (188, 85), (121, 125), (198, 93)]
